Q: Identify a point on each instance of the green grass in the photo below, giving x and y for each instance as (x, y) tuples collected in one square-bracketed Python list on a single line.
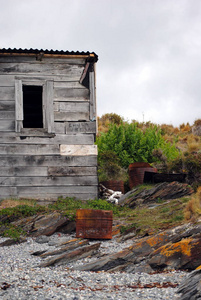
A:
[(165, 215)]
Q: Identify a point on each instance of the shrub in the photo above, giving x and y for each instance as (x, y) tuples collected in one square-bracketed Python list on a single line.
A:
[(197, 122), (193, 207), (22, 210), (13, 232), (132, 144), (109, 167)]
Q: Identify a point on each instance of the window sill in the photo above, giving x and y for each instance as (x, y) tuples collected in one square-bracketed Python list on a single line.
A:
[(35, 132)]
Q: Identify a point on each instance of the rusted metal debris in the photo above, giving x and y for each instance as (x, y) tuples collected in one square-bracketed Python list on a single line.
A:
[(94, 224)]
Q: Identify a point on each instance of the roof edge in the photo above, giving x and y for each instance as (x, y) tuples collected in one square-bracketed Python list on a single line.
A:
[(56, 53)]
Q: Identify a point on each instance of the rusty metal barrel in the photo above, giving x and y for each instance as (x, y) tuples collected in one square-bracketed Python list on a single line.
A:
[(115, 185), (94, 224), (136, 173)]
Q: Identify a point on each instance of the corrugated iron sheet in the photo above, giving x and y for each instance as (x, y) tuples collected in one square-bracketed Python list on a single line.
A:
[(46, 51)]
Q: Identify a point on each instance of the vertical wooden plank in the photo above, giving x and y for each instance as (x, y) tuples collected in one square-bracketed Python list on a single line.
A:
[(18, 105), (92, 96), (48, 110)]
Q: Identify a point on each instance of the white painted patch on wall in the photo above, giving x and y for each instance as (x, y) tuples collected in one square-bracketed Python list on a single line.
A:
[(78, 150)]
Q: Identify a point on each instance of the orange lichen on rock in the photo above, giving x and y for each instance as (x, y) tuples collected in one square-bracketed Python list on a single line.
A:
[(158, 239), (184, 247)]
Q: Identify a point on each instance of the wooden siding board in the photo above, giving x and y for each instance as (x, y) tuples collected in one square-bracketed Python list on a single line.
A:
[(71, 71), (26, 149), (59, 127), (80, 127), (72, 107), (78, 139), (7, 181), (73, 116), (7, 93), (67, 85), (6, 191), (7, 125), (49, 198), (7, 105), (49, 181), (62, 94), (8, 115), (77, 150), (72, 171), (59, 190), (7, 80), (47, 161), (56, 78), (23, 171)]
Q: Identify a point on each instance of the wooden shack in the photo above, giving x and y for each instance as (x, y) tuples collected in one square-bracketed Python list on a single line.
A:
[(47, 124)]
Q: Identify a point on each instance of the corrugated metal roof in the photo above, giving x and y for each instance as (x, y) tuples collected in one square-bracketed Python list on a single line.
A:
[(45, 51)]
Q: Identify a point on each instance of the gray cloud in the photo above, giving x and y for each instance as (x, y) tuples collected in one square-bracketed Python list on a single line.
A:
[(149, 50)]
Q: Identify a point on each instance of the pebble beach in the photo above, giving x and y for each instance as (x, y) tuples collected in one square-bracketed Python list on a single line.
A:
[(21, 278)]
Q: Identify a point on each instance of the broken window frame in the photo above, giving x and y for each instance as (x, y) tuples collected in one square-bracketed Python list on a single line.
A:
[(47, 104)]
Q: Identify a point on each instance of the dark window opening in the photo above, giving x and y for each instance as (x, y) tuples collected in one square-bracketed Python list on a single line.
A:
[(32, 106)]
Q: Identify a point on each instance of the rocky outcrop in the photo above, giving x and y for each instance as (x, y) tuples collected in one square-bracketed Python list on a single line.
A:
[(171, 249), (161, 191), (46, 224), (176, 248), (190, 289), (185, 255), (70, 256)]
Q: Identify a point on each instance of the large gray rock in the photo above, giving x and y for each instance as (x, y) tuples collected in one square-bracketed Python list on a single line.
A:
[(46, 224), (190, 289), (162, 191)]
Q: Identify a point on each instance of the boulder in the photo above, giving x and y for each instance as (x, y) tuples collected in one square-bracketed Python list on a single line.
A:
[(74, 255), (162, 191), (46, 224), (185, 255), (191, 287)]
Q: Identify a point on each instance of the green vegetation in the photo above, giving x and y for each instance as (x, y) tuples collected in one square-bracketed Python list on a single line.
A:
[(189, 163), (13, 232), (18, 211), (146, 219), (149, 219), (66, 206), (131, 144)]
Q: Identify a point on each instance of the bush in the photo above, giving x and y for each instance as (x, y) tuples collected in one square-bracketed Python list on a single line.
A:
[(22, 210), (109, 167), (132, 144), (189, 163), (193, 207)]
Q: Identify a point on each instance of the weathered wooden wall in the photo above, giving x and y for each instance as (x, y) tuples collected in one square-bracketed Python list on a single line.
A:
[(40, 165)]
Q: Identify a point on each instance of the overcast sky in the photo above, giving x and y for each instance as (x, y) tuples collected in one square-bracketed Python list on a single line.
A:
[(149, 66)]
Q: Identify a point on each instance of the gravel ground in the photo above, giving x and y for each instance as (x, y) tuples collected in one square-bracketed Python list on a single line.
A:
[(21, 278)]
